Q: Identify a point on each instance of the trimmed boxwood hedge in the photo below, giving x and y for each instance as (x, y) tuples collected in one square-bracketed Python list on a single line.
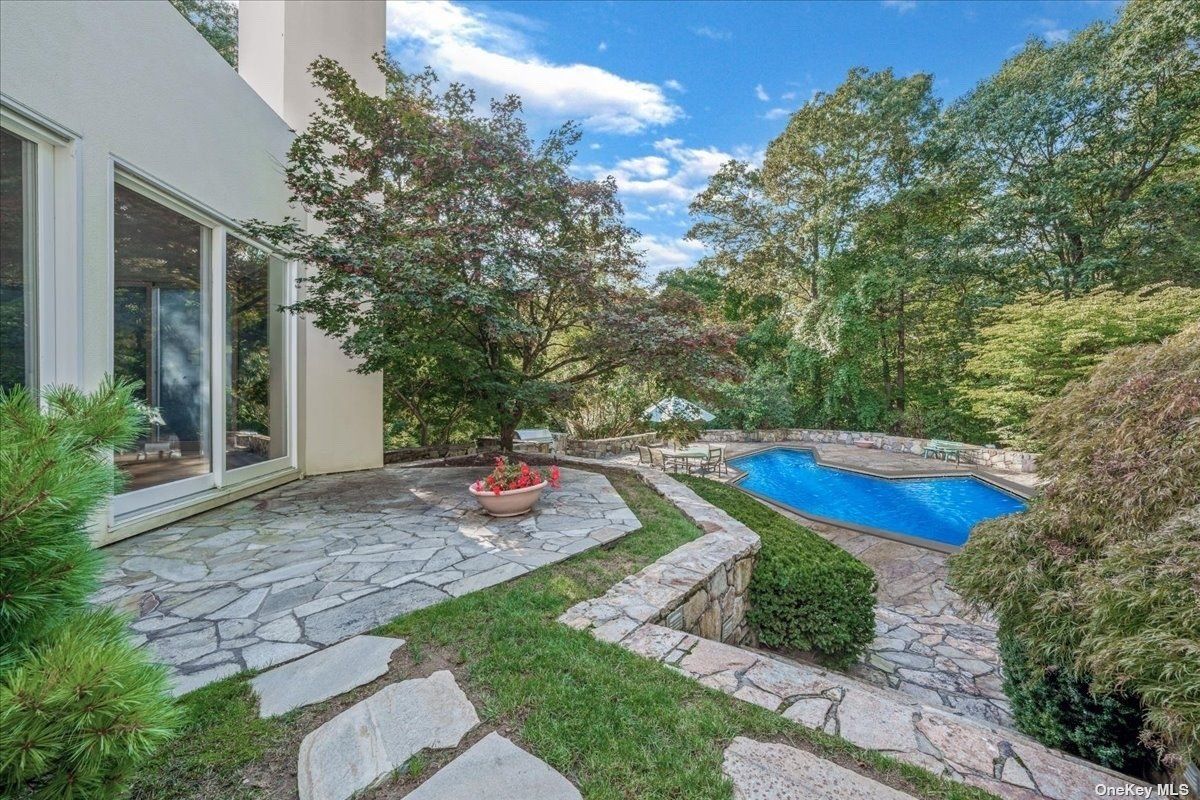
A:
[(805, 593)]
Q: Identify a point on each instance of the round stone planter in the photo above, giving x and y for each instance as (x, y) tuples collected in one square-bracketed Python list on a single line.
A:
[(511, 503)]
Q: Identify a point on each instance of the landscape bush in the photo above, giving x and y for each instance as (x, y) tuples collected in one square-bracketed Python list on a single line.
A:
[(80, 706), (805, 593), (1098, 578), (1060, 710)]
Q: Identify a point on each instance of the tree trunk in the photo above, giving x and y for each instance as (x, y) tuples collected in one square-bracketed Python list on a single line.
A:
[(508, 432), (900, 353)]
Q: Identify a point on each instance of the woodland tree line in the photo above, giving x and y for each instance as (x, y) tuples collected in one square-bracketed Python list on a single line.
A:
[(899, 264)]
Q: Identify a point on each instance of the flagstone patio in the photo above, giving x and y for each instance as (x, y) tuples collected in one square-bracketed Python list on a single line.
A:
[(281, 574)]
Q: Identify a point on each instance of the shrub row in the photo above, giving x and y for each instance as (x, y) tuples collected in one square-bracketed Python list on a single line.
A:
[(805, 593)]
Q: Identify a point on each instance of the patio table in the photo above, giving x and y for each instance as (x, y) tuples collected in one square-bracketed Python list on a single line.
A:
[(686, 454)]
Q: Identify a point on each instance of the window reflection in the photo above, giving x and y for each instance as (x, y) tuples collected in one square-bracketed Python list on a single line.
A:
[(255, 401), (160, 336), (16, 262)]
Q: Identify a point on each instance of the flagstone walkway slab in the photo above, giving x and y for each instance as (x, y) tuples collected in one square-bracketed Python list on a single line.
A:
[(324, 674), (764, 771), (363, 744), (497, 769), (293, 569)]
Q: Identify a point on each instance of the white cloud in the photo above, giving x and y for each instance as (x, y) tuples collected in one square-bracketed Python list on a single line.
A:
[(1049, 29), (600, 48), (900, 6), (776, 113), (488, 51), (673, 85), (668, 252), (788, 96), (712, 33), (761, 93), (646, 166), (674, 175)]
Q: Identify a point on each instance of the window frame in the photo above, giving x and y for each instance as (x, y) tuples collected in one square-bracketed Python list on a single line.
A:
[(50, 147), (253, 471), (129, 507)]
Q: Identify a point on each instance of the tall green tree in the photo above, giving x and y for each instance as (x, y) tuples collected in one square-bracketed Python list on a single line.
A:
[(1087, 150), (431, 209)]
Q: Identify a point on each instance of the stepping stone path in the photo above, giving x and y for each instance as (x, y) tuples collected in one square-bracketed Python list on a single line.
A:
[(369, 740), (324, 674), (763, 771), (497, 769)]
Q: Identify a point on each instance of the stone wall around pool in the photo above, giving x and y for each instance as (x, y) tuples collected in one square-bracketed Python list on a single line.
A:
[(984, 456)]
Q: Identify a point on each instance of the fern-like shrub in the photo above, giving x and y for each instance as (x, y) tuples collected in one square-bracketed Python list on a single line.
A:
[(1098, 580), (80, 707), (805, 593)]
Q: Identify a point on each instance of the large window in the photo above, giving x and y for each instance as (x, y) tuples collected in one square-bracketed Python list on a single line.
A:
[(17, 262), (255, 356), (161, 313)]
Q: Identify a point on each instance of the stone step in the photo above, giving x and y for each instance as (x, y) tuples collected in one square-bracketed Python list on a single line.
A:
[(936, 738), (497, 769), (765, 771), (366, 742), (323, 674)]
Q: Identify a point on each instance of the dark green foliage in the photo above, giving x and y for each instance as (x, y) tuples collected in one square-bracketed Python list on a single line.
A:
[(1099, 576), (1061, 711), (806, 593), (216, 21), (53, 475), (81, 712), (79, 706)]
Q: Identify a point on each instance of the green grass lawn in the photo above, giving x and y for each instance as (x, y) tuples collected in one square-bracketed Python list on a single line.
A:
[(618, 725)]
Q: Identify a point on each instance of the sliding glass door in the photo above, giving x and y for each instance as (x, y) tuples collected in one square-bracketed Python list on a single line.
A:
[(256, 369), (161, 321), (197, 324)]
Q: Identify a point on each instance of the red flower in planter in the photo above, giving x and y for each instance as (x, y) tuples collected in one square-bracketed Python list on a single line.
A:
[(507, 476)]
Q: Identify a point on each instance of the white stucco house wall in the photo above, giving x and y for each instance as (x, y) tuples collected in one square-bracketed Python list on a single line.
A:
[(131, 154)]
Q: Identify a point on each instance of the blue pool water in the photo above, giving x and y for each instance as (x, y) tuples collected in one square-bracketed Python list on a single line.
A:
[(939, 509)]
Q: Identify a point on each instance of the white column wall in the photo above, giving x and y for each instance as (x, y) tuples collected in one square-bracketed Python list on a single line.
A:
[(341, 411)]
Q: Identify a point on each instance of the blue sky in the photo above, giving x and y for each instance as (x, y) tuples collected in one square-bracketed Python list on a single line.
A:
[(668, 91)]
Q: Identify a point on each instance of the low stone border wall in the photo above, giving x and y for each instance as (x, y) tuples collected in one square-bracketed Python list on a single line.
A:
[(1013, 460), (698, 588), (404, 455), (599, 448)]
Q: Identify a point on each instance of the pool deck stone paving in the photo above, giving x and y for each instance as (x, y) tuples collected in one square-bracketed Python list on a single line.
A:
[(284, 573)]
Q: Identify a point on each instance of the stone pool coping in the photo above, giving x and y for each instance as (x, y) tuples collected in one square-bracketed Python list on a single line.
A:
[(966, 471)]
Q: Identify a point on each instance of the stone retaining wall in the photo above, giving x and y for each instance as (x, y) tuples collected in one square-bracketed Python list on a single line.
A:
[(599, 448), (699, 588), (405, 454), (1012, 460)]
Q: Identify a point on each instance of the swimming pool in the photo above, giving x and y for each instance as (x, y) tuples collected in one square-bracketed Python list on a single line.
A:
[(941, 510)]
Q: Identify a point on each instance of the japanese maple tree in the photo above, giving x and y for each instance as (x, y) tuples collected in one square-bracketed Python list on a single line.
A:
[(451, 230)]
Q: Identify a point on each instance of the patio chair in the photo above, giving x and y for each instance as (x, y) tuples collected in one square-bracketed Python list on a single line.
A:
[(644, 455), (663, 461), (715, 461)]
